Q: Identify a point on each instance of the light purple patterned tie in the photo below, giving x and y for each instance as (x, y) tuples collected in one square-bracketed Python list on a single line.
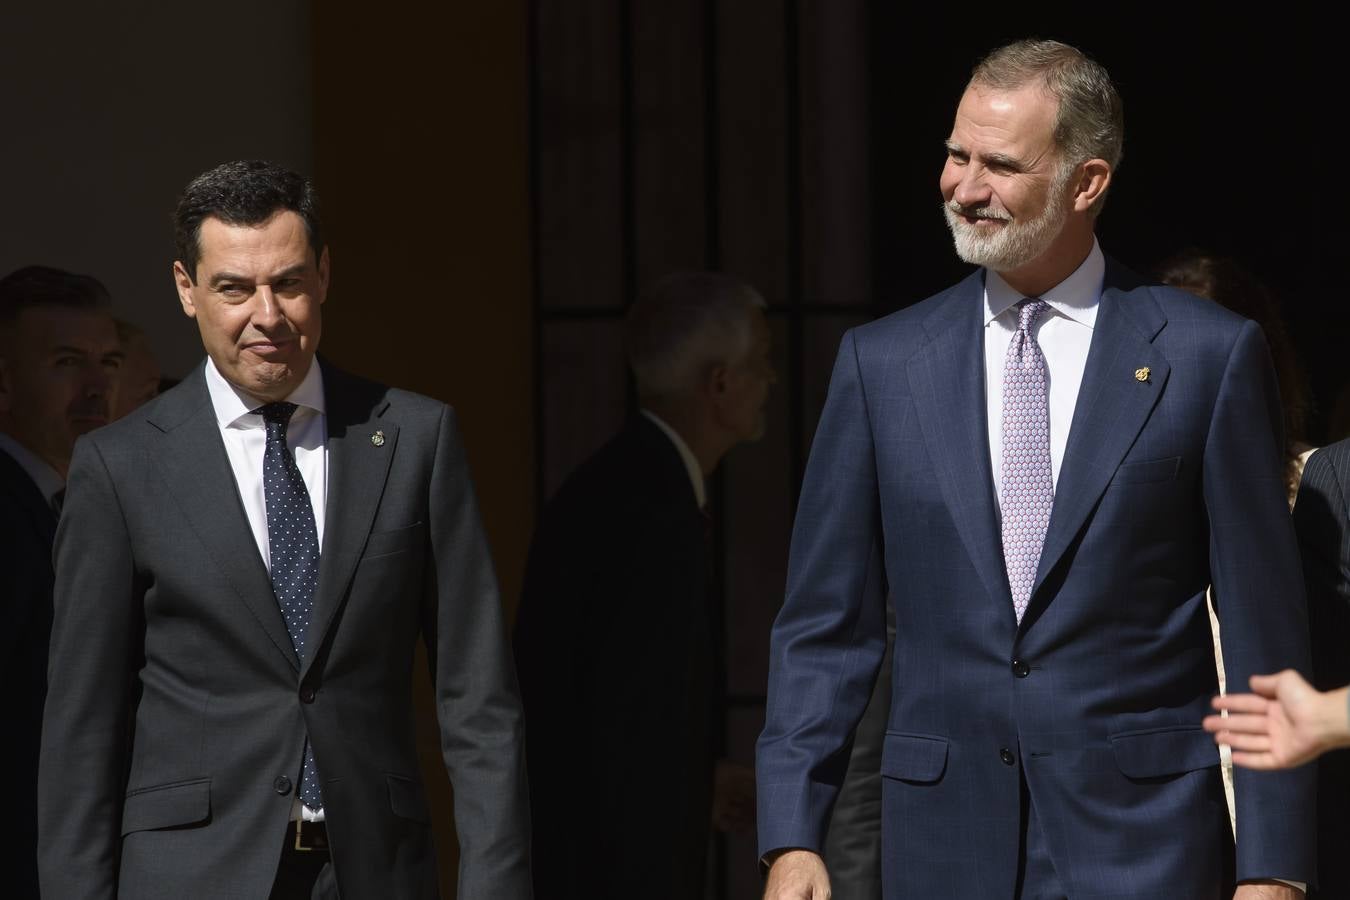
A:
[(1028, 485)]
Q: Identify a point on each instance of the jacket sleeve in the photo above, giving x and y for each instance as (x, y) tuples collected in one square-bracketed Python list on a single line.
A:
[(1258, 584), (828, 640), (97, 641), (477, 701)]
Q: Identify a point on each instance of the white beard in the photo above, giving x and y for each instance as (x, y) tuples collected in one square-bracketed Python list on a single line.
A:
[(1014, 244)]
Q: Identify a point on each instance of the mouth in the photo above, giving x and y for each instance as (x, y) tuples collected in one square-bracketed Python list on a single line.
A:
[(267, 349), (88, 421)]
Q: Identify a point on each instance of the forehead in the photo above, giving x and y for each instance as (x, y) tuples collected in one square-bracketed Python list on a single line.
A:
[(45, 327), (280, 242), (1020, 121)]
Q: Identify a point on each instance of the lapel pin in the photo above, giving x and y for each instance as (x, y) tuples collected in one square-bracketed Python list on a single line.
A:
[(377, 439), (1141, 374)]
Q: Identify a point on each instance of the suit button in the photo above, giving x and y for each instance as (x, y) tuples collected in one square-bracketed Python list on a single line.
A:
[(307, 694), (1007, 756), (1020, 669), (282, 785)]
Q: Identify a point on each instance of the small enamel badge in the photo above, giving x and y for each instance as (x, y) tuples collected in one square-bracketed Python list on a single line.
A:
[(378, 437), (1141, 374)]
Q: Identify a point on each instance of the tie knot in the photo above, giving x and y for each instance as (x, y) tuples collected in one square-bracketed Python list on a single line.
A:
[(278, 413), (1029, 311)]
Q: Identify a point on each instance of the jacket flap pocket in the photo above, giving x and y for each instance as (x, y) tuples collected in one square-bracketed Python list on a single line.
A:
[(407, 799), (1164, 751), (913, 757), (167, 806), (395, 540), (1148, 470)]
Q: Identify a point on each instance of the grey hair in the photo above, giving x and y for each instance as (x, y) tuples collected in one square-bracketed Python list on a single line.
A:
[(685, 323), (1090, 121)]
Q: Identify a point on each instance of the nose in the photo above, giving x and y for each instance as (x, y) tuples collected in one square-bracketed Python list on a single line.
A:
[(98, 379), (266, 312), (971, 188)]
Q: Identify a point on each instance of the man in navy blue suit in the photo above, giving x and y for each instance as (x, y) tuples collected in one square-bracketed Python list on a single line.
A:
[(1045, 466)]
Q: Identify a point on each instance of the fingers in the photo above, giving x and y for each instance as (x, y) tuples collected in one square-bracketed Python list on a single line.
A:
[(1266, 685), (1249, 743), (1241, 703), (1259, 761)]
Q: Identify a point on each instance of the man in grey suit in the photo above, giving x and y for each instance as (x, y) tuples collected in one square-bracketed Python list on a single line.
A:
[(242, 571)]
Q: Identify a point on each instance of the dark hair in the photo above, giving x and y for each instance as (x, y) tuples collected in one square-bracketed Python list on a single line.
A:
[(1228, 283), (43, 287), (244, 192)]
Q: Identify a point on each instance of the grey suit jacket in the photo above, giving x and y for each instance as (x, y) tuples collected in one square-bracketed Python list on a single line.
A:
[(177, 707)]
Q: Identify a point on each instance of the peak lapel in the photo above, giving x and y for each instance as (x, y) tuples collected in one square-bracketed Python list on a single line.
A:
[(197, 471), (358, 463), (1113, 405), (947, 380)]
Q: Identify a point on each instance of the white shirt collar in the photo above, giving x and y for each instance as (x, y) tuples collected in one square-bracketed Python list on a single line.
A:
[(1076, 297), (48, 481), (690, 460), (232, 404)]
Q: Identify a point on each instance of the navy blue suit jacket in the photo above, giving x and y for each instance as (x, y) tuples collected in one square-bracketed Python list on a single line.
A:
[(1168, 483)]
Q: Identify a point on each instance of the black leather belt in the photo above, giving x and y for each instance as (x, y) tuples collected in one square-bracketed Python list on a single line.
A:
[(307, 836)]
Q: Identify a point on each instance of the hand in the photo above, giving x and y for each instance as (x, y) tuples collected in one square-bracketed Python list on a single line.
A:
[(733, 797), (797, 875), (1267, 890), (1283, 723)]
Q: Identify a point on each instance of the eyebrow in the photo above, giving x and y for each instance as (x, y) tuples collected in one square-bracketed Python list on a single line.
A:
[(81, 351), (989, 159), (225, 277)]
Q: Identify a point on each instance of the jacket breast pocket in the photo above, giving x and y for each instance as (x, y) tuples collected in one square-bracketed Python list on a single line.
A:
[(394, 540), (167, 806), (1159, 752), (917, 758), (1148, 470)]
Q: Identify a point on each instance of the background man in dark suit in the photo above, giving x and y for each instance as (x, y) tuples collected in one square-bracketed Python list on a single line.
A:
[(619, 666), (230, 708), (59, 358), (1046, 466)]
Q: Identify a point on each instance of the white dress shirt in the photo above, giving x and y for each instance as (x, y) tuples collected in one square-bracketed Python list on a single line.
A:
[(1064, 333), (245, 439), (48, 481), (690, 460)]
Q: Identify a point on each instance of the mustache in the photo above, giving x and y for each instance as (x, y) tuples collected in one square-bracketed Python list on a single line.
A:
[(977, 212)]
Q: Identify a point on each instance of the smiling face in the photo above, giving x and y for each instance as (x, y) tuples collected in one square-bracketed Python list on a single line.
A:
[(256, 297), (1005, 186)]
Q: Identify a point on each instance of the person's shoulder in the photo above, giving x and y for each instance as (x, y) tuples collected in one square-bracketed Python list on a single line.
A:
[(1177, 305), (347, 392), (906, 329)]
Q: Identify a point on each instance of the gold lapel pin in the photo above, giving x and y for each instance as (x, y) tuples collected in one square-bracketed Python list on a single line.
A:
[(377, 439), (1141, 374)]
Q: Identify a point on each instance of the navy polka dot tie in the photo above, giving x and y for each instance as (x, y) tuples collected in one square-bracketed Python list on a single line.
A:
[(293, 544)]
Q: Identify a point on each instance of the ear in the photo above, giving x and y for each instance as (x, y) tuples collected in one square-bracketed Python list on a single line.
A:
[(184, 285), (324, 269), (1092, 184)]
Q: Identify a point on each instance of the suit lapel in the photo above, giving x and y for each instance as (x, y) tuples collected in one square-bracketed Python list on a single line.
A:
[(191, 446), (1113, 405), (358, 463), (946, 379)]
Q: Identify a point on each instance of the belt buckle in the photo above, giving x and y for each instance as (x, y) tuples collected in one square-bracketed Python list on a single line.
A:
[(300, 844)]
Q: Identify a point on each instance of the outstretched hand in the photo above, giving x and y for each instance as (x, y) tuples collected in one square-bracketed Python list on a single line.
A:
[(1283, 723)]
